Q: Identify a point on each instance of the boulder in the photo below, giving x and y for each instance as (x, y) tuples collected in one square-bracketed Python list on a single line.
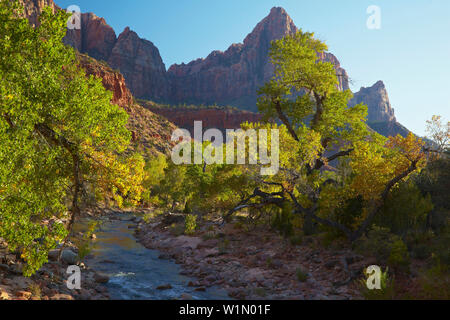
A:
[(101, 278), (164, 287), (61, 296)]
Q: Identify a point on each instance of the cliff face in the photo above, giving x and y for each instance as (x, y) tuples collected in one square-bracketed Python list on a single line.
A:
[(141, 64), (112, 81), (149, 130), (95, 38), (219, 118), (234, 76), (33, 8), (224, 78), (377, 100), (381, 117)]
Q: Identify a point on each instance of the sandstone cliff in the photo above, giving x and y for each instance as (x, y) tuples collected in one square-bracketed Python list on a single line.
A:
[(377, 100), (95, 38), (234, 76), (223, 78), (213, 117), (141, 64), (151, 132), (381, 117), (33, 8)]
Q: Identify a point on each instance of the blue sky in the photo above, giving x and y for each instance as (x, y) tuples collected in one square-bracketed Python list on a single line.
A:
[(410, 53)]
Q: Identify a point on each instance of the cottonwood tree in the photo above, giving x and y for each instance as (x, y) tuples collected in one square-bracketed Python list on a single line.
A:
[(61, 139), (320, 129)]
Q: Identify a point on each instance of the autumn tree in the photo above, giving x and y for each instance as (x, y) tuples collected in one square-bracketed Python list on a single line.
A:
[(323, 131), (61, 138)]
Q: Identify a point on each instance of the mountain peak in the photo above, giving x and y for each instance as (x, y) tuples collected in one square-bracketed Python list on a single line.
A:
[(274, 26), (377, 100), (278, 11)]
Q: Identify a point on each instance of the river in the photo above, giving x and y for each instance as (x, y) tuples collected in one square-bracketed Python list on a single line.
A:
[(135, 272)]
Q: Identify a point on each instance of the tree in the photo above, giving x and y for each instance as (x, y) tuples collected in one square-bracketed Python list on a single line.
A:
[(61, 139), (303, 95), (439, 133)]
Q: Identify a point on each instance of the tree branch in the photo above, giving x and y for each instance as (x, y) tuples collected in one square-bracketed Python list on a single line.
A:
[(285, 120), (366, 223)]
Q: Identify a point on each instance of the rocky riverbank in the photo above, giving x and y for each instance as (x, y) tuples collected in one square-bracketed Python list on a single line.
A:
[(49, 283), (256, 264)]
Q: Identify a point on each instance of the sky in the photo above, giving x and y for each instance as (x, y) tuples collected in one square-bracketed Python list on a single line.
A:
[(410, 51)]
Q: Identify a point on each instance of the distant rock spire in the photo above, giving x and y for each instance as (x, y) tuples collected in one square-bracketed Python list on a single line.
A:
[(377, 100)]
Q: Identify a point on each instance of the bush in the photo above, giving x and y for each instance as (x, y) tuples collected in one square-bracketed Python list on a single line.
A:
[(435, 283), (405, 210), (283, 221), (177, 229), (302, 275), (296, 239), (386, 247), (399, 256), (386, 292), (190, 224), (351, 212)]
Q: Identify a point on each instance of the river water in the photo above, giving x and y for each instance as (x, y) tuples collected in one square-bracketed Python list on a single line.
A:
[(135, 271)]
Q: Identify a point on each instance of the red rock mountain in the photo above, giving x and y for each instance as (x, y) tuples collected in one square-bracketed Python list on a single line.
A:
[(149, 130), (215, 117), (231, 77), (137, 59), (223, 78), (381, 116), (378, 99), (234, 76), (33, 8)]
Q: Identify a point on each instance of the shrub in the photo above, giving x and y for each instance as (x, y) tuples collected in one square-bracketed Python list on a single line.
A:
[(296, 239), (283, 221), (386, 292), (399, 256), (435, 283), (177, 229), (190, 224), (405, 210), (386, 247), (84, 244), (302, 275)]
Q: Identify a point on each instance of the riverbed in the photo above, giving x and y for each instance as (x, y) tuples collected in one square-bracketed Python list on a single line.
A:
[(136, 272)]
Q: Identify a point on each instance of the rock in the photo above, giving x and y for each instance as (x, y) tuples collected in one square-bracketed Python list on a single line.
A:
[(4, 295), (23, 294), (141, 64), (61, 296), (164, 287), (4, 268), (254, 274), (10, 259), (208, 244), (331, 264), (164, 256), (221, 119), (69, 257), (96, 37), (186, 242), (32, 9), (381, 117), (208, 253), (186, 296), (377, 99), (101, 278)]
